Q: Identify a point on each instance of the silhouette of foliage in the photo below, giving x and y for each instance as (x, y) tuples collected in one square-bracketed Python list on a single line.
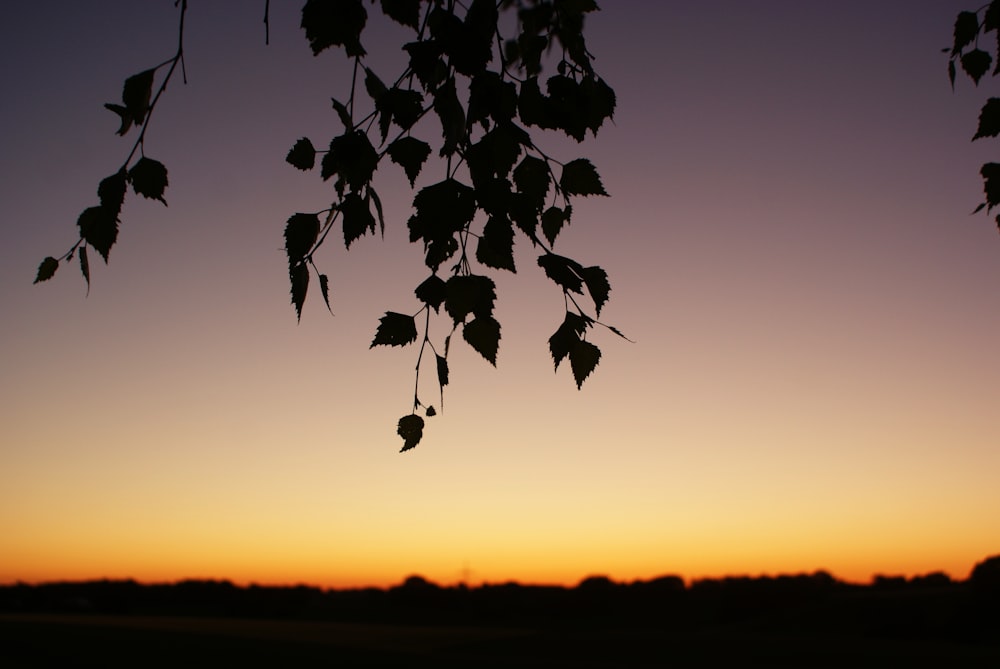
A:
[(971, 51), (488, 93)]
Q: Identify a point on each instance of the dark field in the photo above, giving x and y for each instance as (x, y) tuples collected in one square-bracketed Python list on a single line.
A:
[(807, 620), (123, 641)]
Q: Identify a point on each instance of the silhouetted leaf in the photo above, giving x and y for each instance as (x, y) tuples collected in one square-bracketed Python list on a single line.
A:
[(111, 191), (299, 276), (496, 245), (370, 194), (302, 155), (991, 183), (410, 153), (597, 285), (443, 209), (442, 370), (124, 117), (343, 113), (566, 272), (324, 287), (483, 334), (452, 116), (583, 358), (532, 179), (431, 412), (301, 233), (85, 266), (376, 89), (553, 219), (395, 330), (991, 19), (563, 340), (149, 178), (334, 23), (47, 269), (352, 157), (491, 97), (580, 178), (472, 294), (426, 62), (951, 73), (966, 28), (411, 429), (600, 102), (432, 291), (405, 12), (99, 228), (357, 218), (976, 63), (989, 119), (136, 94)]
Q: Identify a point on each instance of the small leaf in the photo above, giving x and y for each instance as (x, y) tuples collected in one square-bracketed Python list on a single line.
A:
[(351, 157), (565, 272), (431, 412), (976, 63), (123, 116), (149, 178), (99, 228), (597, 285), (409, 153), (496, 245), (580, 178), (532, 179), (562, 340), (951, 73), (553, 219), (483, 334), (324, 287), (991, 183), (111, 191), (85, 266), (583, 358), (136, 93), (344, 114), (301, 233), (47, 269), (357, 218), (411, 429), (299, 276), (395, 330), (979, 208), (334, 23), (989, 119), (432, 291), (473, 294), (442, 370), (452, 116), (370, 194), (966, 28), (302, 155), (376, 89), (405, 12)]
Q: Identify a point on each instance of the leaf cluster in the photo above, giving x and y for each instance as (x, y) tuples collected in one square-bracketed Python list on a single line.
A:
[(99, 224), (468, 102), (976, 52)]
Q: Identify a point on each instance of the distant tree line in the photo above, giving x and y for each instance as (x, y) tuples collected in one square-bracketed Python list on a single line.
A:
[(927, 606)]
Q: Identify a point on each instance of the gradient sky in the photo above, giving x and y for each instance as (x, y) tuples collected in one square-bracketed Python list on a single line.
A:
[(814, 383)]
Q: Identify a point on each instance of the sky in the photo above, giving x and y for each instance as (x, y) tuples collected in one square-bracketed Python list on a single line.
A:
[(813, 383)]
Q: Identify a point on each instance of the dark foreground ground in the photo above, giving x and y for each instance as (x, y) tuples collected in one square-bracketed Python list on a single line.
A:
[(59, 640), (797, 621)]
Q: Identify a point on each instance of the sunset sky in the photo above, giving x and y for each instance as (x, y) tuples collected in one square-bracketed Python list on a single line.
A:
[(815, 378)]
